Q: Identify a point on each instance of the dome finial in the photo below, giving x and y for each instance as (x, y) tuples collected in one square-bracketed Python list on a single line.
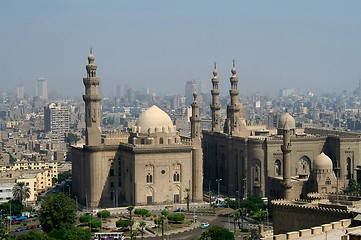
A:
[(91, 56), (195, 94), (234, 70), (215, 72)]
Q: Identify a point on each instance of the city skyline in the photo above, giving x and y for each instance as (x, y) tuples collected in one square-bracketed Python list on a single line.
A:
[(307, 46)]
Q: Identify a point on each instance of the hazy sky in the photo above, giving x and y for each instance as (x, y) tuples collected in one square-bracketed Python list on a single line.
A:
[(306, 44)]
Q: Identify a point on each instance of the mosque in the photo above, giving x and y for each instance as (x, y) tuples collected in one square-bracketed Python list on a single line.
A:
[(151, 165), (288, 163)]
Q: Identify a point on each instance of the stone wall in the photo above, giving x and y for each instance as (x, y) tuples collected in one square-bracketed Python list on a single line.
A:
[(289, 217)]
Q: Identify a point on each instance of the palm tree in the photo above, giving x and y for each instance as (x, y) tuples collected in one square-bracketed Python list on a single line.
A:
[(187, 198), (130, 209), (242, 212), (21, 192), (235, 217), (142, 224)]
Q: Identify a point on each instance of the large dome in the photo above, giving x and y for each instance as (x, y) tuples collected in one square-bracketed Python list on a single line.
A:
[(322, 162), (154, 118), (287, 120)]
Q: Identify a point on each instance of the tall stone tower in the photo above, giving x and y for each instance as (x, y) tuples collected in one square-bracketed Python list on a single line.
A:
[(286, 150), (216, 104), (92, 104), (197, 158), (233, 125)]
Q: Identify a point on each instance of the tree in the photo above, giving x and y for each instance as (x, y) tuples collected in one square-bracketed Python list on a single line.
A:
[(124, 223), (57, 211), (141, 212), (73, 233), (142, 225), (130, 209), (95, 223), (85, 219), (187, 198), (352, 186), (34, 235), (103, 214), (160, 221), (216, 233), (21, 192), (77, 233), (242, 212), (235, 217), (177, 218)]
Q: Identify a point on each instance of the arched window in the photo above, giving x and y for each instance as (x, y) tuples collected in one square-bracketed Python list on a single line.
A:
[(304, 167), (176, 177), (278, 167), (149, 178), (160, 140)]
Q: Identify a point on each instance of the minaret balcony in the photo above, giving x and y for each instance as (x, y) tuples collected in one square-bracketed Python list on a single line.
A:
[(91, 98), (91, 81)]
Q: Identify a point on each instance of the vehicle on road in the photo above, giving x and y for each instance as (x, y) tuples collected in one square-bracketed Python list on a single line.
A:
[(31, 227), (204, 225), (179, 210), (20, 229)]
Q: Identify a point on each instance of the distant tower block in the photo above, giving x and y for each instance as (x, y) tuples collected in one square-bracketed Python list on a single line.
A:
[(190, 88), (42, 88), (20, 92)]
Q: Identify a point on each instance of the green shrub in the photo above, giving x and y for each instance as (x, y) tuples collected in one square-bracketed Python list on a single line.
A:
[(95, 223), (148, 215), (141, 212), (85, 219), (178, 217), (103, 214), (124, 223)]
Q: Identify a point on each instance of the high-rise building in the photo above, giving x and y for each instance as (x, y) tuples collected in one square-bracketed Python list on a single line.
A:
[(190, 88), (56, 121), (41, 88), (20, 92)]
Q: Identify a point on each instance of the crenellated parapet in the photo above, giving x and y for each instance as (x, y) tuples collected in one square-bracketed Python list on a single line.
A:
[(319, 232), (303, 214)]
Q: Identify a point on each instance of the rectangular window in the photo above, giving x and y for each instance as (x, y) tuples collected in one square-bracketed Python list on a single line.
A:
[(176, 198), (149, 200)]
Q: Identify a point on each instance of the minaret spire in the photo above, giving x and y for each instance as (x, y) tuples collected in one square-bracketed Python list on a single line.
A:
[(197, 159), (92, 104), (216, 105), (286, 150), (232, 125)]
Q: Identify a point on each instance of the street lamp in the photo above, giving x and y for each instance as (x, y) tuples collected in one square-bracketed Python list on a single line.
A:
[(218, 181)]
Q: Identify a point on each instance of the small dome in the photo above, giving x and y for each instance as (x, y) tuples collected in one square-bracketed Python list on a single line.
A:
[(91, 58), (153, 118), (322, 161), (286, 120)]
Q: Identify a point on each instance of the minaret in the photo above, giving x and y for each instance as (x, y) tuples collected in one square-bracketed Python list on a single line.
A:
[(216, 104), (286, 150), (92, 104), (234, 107), (197, 159)]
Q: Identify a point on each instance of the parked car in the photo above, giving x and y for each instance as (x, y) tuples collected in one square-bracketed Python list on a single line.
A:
[(20, 229), (31, 227), (179, 210), (15, 222), (204, 225)]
